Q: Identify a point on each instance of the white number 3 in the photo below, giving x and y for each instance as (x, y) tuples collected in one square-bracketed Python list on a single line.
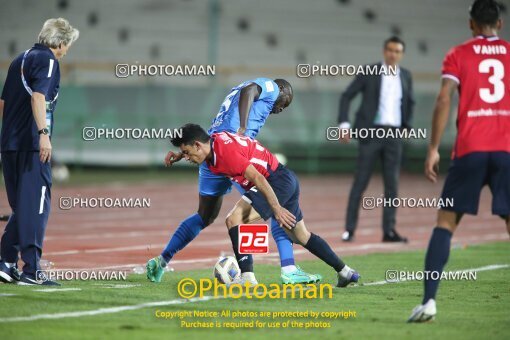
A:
[(495, 79)]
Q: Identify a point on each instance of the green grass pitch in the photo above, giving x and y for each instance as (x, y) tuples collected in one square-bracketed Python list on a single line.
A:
[(466, 309)]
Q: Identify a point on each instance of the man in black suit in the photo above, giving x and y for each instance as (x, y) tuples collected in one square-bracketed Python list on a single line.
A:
[(387, 103)]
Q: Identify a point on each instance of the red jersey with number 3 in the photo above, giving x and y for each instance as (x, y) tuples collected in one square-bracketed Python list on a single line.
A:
[(232, 154), (481, 67)]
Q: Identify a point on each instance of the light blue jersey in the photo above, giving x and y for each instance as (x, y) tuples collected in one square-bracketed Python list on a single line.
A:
[(227, 118)]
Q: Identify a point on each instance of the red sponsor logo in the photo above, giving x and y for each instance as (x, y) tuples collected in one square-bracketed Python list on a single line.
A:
[(253, 239)]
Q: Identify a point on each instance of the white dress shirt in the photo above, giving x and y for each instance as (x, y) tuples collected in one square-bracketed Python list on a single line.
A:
[(389, 111)]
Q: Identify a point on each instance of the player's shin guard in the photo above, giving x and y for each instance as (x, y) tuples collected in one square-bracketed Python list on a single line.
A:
[(320, 248), (283, 243), (245, 261), (185, 233), (435, 260)]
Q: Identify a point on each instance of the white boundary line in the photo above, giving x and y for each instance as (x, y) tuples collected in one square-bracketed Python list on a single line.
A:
[(481, 269), (226, 241), (109, 310), (273, 256), (53, 290), (119, 309)]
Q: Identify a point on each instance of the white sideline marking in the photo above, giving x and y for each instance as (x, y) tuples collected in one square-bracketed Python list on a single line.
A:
[(119, 309), (269, 256), (481, 269), (208, 259), (130, 266), (108, 235), (119, 286), (52, 290), (7, 294), (223, 241), (366, 246), (104, 250), (109, 310), (226, 241), (65, 252)]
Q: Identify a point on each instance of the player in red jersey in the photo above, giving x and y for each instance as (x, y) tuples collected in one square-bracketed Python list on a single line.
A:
[(480, 70), (272, 190)]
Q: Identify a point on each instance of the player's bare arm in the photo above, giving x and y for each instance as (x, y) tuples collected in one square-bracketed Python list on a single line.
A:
[(282, 215), (248, 95), (439, 120), (39, 111), (172, 157), (1, 107)]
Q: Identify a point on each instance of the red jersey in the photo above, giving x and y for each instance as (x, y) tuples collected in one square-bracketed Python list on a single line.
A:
[(232, 154), (481, 67)]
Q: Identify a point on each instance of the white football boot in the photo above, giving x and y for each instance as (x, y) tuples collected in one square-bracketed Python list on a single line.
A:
[(245, 277), (424, 313)]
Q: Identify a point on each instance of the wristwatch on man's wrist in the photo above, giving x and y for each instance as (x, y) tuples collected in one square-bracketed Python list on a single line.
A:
[(44, 131)]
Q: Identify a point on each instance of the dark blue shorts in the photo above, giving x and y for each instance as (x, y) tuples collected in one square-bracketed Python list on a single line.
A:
[(467, 176), (285, 185), (210, 184)]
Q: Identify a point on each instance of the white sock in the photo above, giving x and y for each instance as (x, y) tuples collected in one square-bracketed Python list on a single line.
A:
[(345, 271), (248, 275), (289, 269), (163, 263)]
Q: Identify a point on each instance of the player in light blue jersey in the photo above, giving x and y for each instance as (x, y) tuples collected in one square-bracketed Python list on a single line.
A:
[(262, 94), (244, 111)]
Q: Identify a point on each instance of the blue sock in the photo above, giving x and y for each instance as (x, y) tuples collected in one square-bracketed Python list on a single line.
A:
[(185, 233), (436, 258), (320, 248), (283, 243), (245, 261)]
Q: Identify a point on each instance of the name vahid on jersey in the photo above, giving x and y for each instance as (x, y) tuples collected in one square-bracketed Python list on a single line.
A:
[(492, 49)]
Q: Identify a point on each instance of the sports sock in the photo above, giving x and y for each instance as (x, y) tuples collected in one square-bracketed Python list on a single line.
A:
[(345, 271), (283, 243), (248, 276), (162, 261), (245, 261), (185, 233), (435, 260), (289, 269), (320, 248)]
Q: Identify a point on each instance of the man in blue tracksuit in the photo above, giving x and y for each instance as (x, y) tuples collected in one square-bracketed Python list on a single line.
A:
[(28, 101)]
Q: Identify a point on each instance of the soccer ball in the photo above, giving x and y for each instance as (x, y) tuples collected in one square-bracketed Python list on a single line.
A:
[(226, 270)]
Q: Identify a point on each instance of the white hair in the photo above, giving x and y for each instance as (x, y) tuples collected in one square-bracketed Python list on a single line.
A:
[(56, 32)]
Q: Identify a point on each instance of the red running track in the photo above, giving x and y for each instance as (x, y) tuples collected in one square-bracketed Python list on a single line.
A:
[(115, 238)]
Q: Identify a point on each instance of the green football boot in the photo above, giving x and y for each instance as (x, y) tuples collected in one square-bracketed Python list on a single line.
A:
[(154, 270), (299, 276)]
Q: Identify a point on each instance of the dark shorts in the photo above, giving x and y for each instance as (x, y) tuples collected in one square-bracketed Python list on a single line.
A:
[(285, 185), (467, 176)]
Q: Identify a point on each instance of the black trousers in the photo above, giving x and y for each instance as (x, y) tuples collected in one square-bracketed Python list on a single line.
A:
[(389, 151)]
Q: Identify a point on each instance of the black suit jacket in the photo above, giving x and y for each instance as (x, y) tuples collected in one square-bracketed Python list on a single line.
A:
[(370, 88)]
